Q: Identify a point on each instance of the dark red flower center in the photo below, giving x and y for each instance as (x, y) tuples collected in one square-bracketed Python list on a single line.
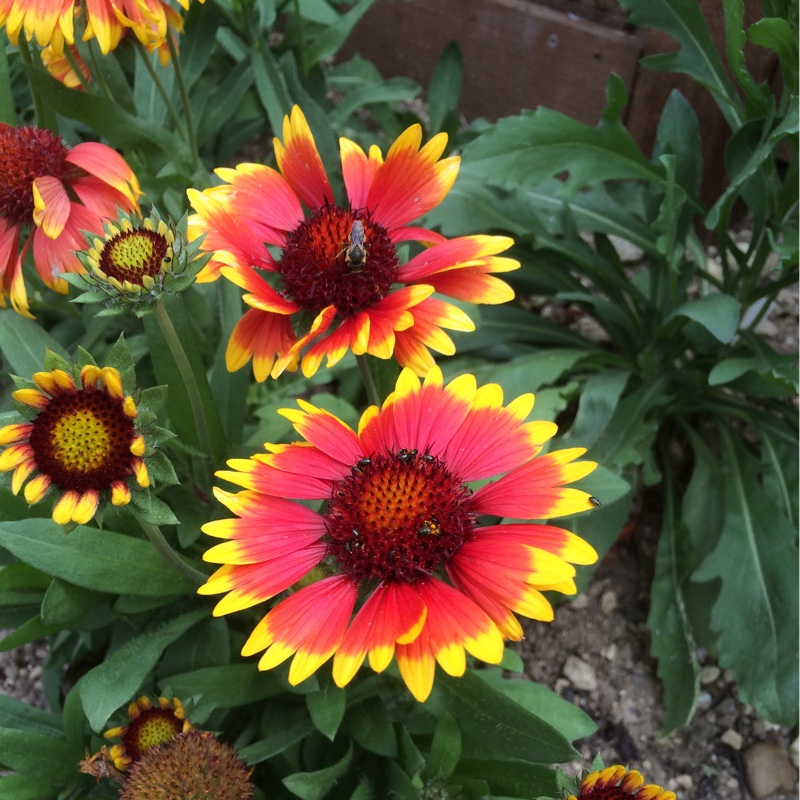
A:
[(397, 516), (82, 441), (26, 154), (338, 257), (154, 726), (131, 254)]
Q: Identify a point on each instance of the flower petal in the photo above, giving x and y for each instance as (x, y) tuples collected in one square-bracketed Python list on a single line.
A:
[(51, 205)]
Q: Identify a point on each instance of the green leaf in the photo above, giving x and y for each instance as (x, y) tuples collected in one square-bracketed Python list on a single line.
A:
[(172, 313), (29, 631), (113, 683), (24, 787), (756, 559), (718, 313), (515, 731), (295, 724), (46, 758), (101, 560), (370, 725), (698, 55), (327, 707), (19, 715), (445, 748), (678, 134), (596, 406), (334, 35), (445, 86), (271, 87), (64, 603), (24, 343), (566, 718), (778, 35), (536, 145), (391, 90), (508, 778), (315, 785), (225, 686), (758, 96), (672, 643), (744, 157)]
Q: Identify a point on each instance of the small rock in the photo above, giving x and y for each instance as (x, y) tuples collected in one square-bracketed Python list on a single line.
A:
[(769, 770), (580, 602), (608, 602), (709, 675), (732, 738), (684, 782), (560, 685), (580, 674), (628, 253), (703, 701), (610, 652), (794, 751)]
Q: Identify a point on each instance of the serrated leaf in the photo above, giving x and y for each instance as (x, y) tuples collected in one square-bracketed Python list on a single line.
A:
[(757, 561), (698, 56), (101, 560), (536, 145), (113, 684)]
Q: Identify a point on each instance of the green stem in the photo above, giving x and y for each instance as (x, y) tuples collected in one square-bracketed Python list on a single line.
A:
[(97, 73), (72, 61), (39, 108), (171, 110), (187, 109), (7, 112), (187, 375), (369, 382), (170, 556), (301, 44)]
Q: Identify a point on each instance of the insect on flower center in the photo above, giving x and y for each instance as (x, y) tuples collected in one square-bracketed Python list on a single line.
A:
[(130, 255), (82, 441), (26, 154), (338, 257), (397, 516)]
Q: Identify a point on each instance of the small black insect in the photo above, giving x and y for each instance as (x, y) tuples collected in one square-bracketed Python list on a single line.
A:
[(595, 502), (428, 458), (361, 465), (430, 527), (407, 456)]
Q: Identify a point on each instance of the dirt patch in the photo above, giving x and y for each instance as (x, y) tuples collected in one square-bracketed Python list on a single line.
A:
[(596, 654)]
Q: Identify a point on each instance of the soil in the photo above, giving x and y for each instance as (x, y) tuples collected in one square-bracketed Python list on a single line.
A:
[(602, 642)]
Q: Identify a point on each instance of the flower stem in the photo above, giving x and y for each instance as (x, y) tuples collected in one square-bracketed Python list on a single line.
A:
[(41, 111), (159, 86), (7, 112), (186, 372), (169, 555), (187, 109), (369, 382)]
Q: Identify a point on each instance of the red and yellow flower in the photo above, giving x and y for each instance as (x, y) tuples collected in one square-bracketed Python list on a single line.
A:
[(399, 538), (82, 443), (150, 726), (52, 22), (618, 783), (57, 193), (338, 274)]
